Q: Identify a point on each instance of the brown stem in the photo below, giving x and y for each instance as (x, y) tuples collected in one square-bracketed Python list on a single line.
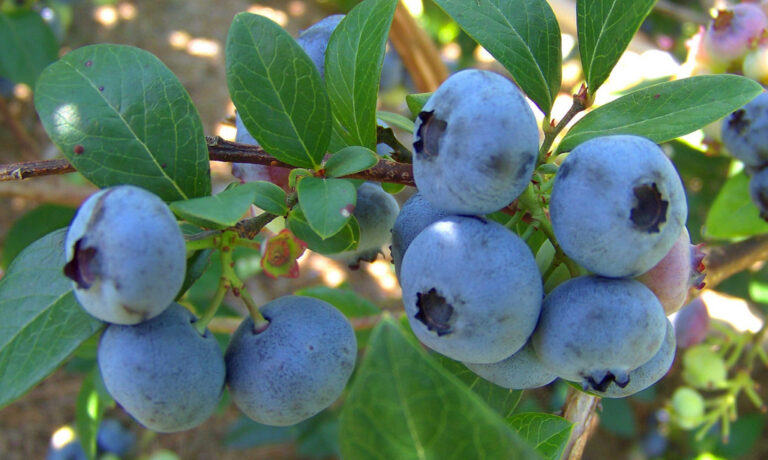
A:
[(727, 260), (218, 150), (580, 409), (581, 101), (417, 50), (25, 170)]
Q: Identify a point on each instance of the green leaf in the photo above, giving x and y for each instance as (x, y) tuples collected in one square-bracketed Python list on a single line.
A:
[(733, 215), (500, 399), (218, 211), (89, 411), (27, 46), (277, 90), (404, 405), (343, 240), (665, 111), (523, 35), (42, 322), (197, 264), (396, 120), (120, 116), (549, 434), (416, 102), (34, 225), (350, 160), (618, 417), (327, 203), (605, 28), (353, 62), (352, 304), (269, 197)]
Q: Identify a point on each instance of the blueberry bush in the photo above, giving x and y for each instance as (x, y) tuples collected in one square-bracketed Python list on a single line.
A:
[(532, 252)]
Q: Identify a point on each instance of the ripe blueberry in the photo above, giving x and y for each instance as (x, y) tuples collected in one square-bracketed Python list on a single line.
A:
[(596, 330), (617, 205), (471, 289), (521, 371), (475, 144), (375, 211), (294, 368), (163, 372), (415, 215), (126, 255)]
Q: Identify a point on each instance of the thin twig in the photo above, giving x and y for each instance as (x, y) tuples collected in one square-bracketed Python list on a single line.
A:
[(29, 169), (581, 101), (218, 150), (724, 261)]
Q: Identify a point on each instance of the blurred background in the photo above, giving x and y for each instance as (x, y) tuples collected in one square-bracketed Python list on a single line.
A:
[(188, 36)]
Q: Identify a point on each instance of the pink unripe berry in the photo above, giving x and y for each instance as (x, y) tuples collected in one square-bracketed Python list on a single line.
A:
[(679, 270), (735, 31)]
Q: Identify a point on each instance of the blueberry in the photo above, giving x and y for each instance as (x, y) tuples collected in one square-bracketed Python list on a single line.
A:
[(72, 450), (375, 211), (758, 192), (521, 371), (314, 40), (596, 330), (471, 289), (6, 87), (675, 274), (294, 368), (692, 323), (649, 373), (392, 70), (745, 132), (163, 372), (617, 205), (126, 255), (475, 144), (415, 215), (113, 437), (733, 32)]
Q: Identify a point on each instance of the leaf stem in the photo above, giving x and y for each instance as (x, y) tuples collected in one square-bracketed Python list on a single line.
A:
[(581, 101), (529, 201), (238, 286), (259, 322), (208, 241), (213, 307)]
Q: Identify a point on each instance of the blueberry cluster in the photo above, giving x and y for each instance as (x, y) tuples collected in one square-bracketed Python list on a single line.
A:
[(127, 260), (471, 287), (745, 135)]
